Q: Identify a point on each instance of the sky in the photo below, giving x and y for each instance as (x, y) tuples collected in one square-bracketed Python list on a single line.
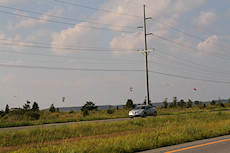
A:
[(87, 50)]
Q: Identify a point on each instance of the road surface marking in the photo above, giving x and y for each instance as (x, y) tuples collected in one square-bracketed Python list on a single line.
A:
[(198, 146)]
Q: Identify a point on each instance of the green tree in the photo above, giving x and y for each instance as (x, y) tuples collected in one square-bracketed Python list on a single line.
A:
[(181, 103), (229, 100), (52, 108), (129, 104), (2, 113), (89, 105), (213, 102), (26, 107), (85, 112), (35, 107), (7, 109), (197, 102), (174, 103), (165, 103), (189, 103)]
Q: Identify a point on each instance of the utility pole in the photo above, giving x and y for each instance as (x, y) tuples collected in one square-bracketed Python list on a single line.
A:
[(146, 57)]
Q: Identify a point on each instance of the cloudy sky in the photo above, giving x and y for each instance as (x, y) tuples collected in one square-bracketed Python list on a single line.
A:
[(86, 50)]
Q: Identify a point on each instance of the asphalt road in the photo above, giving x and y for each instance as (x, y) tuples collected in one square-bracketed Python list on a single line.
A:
[(213, 145)]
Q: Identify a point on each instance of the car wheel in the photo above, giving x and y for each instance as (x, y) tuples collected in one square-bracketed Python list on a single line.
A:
[(155, 114), (145, 114)]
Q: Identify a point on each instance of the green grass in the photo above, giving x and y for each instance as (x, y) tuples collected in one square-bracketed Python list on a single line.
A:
[(46, 117), (127, 136)]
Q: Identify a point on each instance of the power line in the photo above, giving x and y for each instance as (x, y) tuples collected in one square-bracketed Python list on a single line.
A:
[(97, 9), (184, 22), (65, 18), (109, 70), (188, 34), (226, 57), (65, 23), (65, 46), (72, 57)]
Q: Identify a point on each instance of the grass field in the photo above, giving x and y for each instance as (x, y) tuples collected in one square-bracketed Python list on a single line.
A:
[(126, 136), (14, 120)]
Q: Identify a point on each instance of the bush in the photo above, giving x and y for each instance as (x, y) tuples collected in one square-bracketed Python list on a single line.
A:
[(32, 115), (89, 106), (2, 113), (129, 104), (110, 111), (85, 112)]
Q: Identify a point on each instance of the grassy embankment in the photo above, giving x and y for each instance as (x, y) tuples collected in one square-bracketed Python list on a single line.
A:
[(126, 136), (14, 120)]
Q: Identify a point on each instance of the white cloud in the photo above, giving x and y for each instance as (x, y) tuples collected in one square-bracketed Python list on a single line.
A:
[(8, 78), (206, 18), (79, 35), (186, 5), (26, 23), (13, 43), (12, 1), (207, 46), (127, 41)]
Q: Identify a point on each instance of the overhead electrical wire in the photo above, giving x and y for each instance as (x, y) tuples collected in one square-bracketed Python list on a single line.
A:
[(65, 23), (71, 57), (226, 57), (65, 18), (109, 70), (97, 9), (184, 22)]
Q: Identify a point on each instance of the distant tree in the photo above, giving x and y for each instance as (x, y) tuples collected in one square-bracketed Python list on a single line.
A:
[(2, 113), (35, 107), (129, 104), (197, 102), (220, 104), (110, 111), (181, 103), (165, 103), (26, 107), (7, 109), (52, 108), (189, 103), (89, 105), (57, 110), (174, 102), (229, 100), (117, 107), (85, 112), (213, 102), (204, 106)]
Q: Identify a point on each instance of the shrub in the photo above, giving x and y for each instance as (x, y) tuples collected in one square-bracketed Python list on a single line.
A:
[(32, 115), (110, 111), (89, 105), (85, 112)]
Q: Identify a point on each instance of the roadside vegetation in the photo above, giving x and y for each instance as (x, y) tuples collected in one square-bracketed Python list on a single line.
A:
[(125, 136), (31, 115)]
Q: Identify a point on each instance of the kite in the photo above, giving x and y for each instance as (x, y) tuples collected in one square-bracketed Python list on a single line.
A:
[(63, 99), (167, 85), (204, 87), (131, 89), (194, 89)]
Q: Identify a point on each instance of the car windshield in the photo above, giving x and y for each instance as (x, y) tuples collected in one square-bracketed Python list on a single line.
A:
[(140, 107)]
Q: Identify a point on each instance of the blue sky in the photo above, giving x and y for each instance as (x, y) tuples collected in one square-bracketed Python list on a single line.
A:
[(87, 51)]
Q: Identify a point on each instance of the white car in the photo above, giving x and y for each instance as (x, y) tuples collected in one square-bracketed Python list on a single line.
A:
[(143, 111)]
